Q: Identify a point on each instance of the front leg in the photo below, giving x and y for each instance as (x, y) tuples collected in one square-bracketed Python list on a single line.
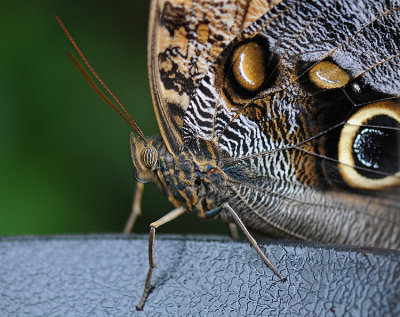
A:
[(152, 263)]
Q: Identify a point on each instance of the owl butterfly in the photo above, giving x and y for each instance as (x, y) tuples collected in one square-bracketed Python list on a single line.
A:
[(283, 113), (281, 116)]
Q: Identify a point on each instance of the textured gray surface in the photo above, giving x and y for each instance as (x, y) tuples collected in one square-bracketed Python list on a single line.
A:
[(103, 275)]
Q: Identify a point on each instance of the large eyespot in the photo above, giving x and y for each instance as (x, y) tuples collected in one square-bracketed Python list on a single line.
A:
[(327, 75), (369, 147), (149, 157)]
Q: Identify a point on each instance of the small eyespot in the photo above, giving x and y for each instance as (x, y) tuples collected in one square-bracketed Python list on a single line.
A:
[(327, 75), (369, 147), (149, 157), (248, 66)]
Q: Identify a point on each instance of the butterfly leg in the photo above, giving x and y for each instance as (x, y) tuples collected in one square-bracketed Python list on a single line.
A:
[(136, 208), (252, 241), (152, 263)]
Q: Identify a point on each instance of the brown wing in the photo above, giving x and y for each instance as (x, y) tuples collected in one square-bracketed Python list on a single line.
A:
[(303, 107), (184, 40)]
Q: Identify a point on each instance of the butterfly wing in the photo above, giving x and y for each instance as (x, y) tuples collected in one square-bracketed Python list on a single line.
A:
[(303, 106), (185, 38)]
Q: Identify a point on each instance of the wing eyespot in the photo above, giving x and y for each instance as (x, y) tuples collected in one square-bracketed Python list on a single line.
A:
[(248, 66), (327, 75), (369, 147)]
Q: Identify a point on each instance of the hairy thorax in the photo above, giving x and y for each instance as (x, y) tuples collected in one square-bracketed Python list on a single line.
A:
[(190, 180)]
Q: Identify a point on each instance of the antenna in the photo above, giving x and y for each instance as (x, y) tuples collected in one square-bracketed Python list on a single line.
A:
[(85, 74)]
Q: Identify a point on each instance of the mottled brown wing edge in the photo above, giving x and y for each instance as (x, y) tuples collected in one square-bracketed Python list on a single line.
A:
[(172, 139), (170, 103)]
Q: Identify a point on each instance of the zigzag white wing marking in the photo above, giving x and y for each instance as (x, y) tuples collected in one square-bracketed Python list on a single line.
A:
[(199, 119)]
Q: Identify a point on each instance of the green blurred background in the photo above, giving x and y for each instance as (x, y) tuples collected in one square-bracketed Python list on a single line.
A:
[(65, 163)]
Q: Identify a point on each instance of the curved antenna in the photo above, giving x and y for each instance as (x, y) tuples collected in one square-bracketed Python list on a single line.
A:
[(91, 82), (131, 122)]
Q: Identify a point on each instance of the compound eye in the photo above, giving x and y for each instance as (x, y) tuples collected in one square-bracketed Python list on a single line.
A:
[(149, 157), (369, 147)]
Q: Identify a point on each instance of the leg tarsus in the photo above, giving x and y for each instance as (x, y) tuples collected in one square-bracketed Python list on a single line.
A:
[(146, 290), (252, 241)]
